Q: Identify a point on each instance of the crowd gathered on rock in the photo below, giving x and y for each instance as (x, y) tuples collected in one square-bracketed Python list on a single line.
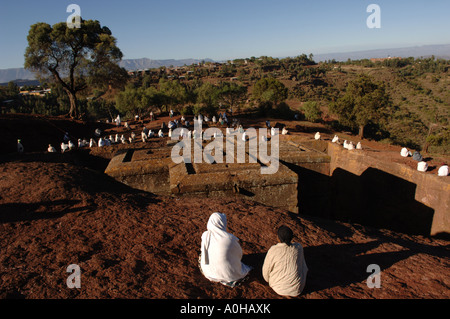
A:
[(220, 121)]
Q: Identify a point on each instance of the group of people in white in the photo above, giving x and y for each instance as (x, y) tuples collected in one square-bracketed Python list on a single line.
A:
[(147, 134), (422, 165), (347, 145), (284, 266)]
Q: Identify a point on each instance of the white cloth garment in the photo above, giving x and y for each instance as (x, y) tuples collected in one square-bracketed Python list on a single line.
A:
[(350, 146), (422, 166), (443, 170), (335, 139), (317, 136), (345, 145), (221, 252), (404, 152)]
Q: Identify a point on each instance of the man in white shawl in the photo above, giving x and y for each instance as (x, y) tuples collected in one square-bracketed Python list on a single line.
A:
[(221, 253)]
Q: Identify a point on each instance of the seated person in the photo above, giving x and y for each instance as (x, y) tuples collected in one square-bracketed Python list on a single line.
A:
[(417, 157), (284, 267), (220, 257), (422, 166), (443, 170), (404, 152)]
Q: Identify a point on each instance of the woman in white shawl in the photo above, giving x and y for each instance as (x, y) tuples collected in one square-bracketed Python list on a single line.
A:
[(221, 253)]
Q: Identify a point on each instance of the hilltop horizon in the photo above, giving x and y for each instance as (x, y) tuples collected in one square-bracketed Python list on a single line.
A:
[(441, 51)]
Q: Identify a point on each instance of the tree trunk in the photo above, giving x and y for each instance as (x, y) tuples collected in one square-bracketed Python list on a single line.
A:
[(73, 112), (361, 131)]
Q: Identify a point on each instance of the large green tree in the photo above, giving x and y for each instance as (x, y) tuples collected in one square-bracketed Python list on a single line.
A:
[(73, 57), (132, 100), (232, 93), (270, 90), (174, 91), (207, 94), (365, 101)]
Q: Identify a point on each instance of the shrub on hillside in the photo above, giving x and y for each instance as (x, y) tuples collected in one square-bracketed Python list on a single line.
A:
[(312, 111)]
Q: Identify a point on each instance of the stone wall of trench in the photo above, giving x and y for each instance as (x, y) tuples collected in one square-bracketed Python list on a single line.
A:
[(315, 178)]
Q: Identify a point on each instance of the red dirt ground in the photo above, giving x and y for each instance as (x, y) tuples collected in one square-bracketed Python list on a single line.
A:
[(60, 209)]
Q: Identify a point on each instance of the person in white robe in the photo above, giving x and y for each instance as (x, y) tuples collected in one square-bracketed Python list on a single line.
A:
[(51, 149), (335, 139), (144, 136), (64, 147), (404, 152), (317, 136), (422, 166), (345, 145), (443, 170), (101, 142), (350, 146), (221, 253), (273, 131)]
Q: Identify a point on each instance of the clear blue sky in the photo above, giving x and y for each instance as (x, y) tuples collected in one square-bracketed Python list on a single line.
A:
[(228, 29)]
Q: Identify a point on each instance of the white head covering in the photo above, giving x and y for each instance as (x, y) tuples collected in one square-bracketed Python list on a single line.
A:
[(443, 170), (221, 253), (216, 230)]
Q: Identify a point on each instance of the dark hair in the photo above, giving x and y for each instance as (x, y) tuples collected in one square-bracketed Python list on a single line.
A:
[(285, 235)]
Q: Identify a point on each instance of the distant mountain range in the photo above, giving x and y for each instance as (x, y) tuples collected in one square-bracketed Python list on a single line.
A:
[(7, 75), (142, 64), (439, 51)]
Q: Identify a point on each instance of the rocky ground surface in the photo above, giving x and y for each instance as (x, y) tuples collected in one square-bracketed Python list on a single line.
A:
[(60, 209)]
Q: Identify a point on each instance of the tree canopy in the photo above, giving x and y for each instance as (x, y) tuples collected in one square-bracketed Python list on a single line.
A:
[(270, 90), (364, 101), (74, 57), (232, 93)]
